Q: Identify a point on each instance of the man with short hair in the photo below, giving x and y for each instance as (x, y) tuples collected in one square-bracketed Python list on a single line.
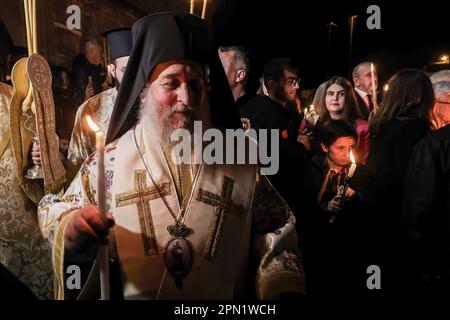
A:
[(273, 111), (441, 86), (99, 107), (182, 230), (278, 112), (426, 207), (236, 63), (362, 80), (88, 73)]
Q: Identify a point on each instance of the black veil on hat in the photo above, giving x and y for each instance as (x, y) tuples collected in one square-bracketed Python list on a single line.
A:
[(159, 38), (119, 43)]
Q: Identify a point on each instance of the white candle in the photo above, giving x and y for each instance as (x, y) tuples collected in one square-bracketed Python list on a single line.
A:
[(205, 3), (100, 147), (351, 172), (191, 11), (102, 256), (374, 91)]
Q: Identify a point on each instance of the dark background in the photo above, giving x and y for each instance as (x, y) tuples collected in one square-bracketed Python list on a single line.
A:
[(412, 34)]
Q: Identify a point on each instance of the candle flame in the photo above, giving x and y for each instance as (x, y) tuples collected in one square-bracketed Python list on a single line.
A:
[(352, 158), (386, 87), (92, 124)]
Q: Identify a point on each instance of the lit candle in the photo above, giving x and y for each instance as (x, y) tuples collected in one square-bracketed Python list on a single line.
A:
[(191, 11), (374, 90), (352, 167), (306, 110), (102, 256), (205, 3)]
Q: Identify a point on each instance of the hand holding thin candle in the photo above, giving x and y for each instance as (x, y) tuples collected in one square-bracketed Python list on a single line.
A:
[(102, 257), (100, 148), (344, 192)]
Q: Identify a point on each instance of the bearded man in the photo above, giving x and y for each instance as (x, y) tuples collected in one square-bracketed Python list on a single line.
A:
[(176, 231)]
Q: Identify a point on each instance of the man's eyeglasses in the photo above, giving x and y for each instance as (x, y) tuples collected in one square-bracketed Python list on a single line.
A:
[(292, 81)]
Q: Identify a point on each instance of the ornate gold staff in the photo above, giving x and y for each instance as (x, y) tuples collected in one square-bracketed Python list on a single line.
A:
[(27, 94), (30, 22)]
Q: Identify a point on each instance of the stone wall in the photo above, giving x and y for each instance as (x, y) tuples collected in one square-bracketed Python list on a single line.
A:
[(59, 44), (55, 41)]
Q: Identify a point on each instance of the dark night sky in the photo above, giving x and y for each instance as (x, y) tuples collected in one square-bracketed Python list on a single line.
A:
[(412, 34)]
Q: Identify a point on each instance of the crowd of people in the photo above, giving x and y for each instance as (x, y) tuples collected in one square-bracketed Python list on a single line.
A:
[(362, 181)]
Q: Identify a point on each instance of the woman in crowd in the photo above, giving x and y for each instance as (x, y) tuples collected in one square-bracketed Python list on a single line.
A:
[(401, 121), (338, 102)]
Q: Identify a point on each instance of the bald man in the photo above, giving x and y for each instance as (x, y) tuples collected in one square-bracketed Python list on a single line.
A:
[(362, 80), (88, 71)]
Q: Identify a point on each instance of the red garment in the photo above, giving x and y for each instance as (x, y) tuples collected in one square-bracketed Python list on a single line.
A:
[(363, 144)]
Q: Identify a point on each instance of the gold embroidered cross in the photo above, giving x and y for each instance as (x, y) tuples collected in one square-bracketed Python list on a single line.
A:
[(223, 204), (141, 195)]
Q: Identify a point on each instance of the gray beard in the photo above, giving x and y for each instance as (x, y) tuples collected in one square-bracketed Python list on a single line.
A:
[(158, 119)]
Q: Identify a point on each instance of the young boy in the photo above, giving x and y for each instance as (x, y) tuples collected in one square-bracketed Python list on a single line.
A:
[(329, 222)]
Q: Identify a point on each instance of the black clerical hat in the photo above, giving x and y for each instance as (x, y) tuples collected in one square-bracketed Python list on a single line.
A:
[(159, 38), (119, 43)]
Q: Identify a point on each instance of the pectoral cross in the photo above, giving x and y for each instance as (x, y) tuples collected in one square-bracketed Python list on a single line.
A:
[(223, 205), (141, 196)]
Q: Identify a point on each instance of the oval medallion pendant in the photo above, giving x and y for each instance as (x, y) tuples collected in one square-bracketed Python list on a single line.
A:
[(178, 258)]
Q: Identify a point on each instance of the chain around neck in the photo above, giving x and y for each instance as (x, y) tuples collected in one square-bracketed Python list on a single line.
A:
[(180, 216)]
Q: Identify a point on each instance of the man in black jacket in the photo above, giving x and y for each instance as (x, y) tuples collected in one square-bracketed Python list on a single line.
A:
[(277, 112), (426, 213)]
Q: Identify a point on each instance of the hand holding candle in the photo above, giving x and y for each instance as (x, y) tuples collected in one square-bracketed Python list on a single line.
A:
[(102, 257), (343, 191)]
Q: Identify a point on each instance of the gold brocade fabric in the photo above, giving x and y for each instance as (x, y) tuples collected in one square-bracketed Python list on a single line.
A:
[(40, 76), (23, 250), (21, 139), (232, 217)]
